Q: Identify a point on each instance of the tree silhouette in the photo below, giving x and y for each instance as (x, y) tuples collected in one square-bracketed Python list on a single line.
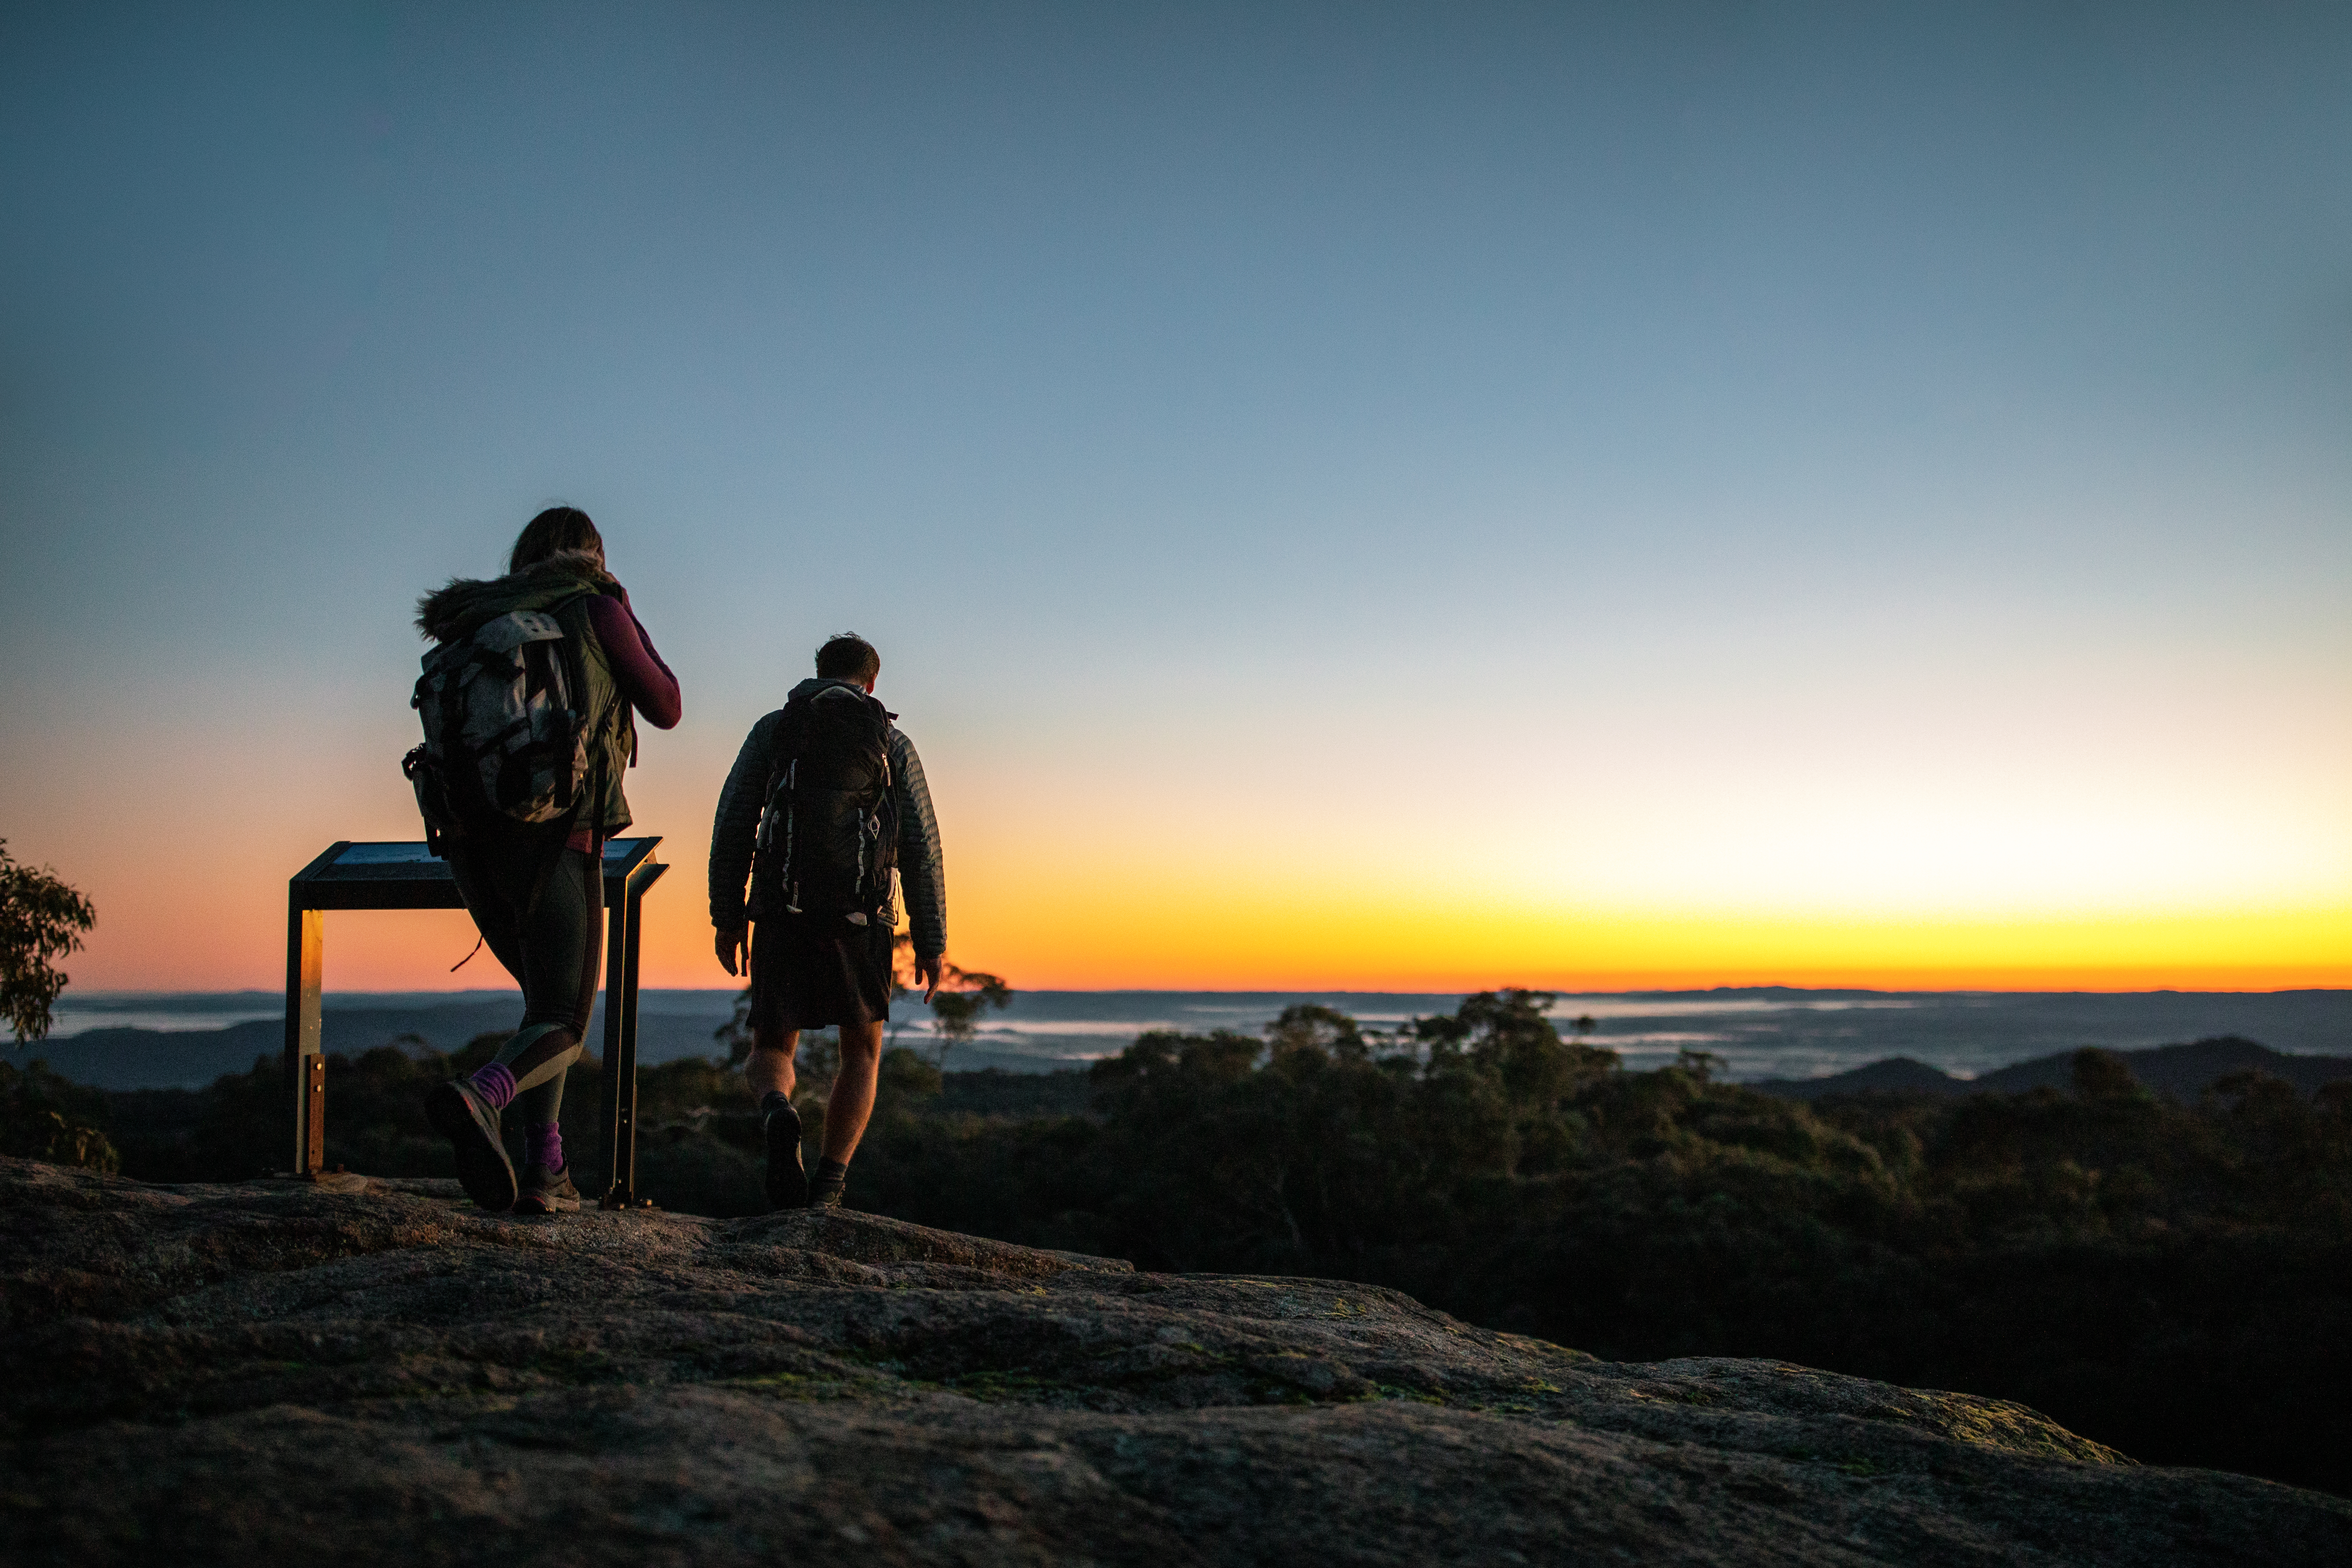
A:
[(1309, 1025), (41, 921), (956, 1009)]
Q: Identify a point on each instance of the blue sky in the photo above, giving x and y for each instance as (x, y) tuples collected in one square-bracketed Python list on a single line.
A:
[(1853, 461)]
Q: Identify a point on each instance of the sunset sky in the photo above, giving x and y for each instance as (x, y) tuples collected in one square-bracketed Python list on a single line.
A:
[(1348, 495)]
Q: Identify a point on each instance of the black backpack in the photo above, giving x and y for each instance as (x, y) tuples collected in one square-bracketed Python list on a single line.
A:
[(829, 837)]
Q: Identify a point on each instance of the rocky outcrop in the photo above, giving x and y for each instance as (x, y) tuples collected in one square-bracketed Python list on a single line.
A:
[(267, 1373)]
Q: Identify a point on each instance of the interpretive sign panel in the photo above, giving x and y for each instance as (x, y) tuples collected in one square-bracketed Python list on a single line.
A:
[(352, 876)]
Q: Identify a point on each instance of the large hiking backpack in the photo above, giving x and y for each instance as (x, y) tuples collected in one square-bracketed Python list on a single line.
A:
[(829, 837), (506, 733)]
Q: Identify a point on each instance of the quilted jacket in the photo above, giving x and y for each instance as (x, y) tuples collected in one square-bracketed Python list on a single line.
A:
[(734, 831)]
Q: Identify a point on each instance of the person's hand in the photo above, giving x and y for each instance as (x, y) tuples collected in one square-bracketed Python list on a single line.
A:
[(734, 951), (926, 970)]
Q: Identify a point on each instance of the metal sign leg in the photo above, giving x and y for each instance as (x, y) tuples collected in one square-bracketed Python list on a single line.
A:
[(623, 938), (306, 1069), (628, 1009)]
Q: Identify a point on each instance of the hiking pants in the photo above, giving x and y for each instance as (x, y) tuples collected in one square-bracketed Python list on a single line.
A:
[(550, 943)]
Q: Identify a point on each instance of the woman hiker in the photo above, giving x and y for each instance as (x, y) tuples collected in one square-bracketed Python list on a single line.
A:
[(537, 890)]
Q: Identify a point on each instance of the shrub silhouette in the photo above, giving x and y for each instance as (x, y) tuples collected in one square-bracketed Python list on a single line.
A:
[(43, 1117)]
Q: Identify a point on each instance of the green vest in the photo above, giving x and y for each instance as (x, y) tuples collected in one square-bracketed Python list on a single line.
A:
[(613, 739)]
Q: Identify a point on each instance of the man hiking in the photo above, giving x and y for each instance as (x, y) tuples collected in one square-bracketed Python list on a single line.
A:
[(826, 814)]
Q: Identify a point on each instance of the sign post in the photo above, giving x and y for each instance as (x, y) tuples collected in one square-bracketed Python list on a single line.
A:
[(352, 876)]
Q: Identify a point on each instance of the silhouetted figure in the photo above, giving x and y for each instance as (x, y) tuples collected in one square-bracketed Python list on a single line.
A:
[(826, 813), (527, 702)]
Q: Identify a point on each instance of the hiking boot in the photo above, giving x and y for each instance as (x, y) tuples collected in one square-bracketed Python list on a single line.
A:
[(459, 1114), (825, 1187), (546, 1192), (787, 1181)]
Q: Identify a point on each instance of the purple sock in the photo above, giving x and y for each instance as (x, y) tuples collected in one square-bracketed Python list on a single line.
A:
[(494, 1084), (542, 1144)]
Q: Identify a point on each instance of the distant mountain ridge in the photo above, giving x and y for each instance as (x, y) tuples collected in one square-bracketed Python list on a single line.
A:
[(2184, 1071), (191, 1059), (124, 1057), (1783, 1035)]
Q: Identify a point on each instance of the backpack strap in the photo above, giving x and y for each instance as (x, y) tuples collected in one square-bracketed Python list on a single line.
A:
[(575, 658), (590, 798)]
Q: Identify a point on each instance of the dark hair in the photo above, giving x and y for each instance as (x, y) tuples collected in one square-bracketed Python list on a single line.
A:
[(552, 531), (849, 656)]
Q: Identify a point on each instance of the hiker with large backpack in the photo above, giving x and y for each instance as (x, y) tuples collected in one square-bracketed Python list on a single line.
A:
[(527, 701), (826, 814)]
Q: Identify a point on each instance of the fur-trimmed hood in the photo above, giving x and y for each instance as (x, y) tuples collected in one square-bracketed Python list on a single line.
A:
[(454, 609)]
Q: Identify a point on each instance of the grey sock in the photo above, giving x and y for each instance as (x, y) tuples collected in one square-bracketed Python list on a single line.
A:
[(831, 1176)]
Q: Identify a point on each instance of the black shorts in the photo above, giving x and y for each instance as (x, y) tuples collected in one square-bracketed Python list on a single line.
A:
[(811, 971)]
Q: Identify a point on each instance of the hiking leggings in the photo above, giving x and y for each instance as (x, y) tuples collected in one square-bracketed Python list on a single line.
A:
[(551, 945)]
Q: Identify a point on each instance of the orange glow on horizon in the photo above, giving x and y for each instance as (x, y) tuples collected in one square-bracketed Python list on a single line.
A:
[(1152, 940), (1092, 905)]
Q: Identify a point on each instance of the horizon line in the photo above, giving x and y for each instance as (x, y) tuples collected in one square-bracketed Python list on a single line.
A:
[(1962, 989)]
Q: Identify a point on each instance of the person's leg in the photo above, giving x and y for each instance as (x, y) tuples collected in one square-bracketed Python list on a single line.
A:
[(474, 866), (770, 1074), (864, 955), (771, 1077), (852, 1105), (849, 1108), (465, 1110), (542, 1101), (564, 938), (769, 1070), (560, 937), (541, 1107)]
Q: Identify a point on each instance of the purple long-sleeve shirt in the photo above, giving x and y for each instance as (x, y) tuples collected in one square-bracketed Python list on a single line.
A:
[(645, 682), (637, 670)]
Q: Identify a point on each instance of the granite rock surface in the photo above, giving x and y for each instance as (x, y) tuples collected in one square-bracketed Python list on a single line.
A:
[(270, 1372)]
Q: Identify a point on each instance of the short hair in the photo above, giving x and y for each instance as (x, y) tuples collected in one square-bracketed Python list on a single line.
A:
[(552, 532), (847, 656)]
